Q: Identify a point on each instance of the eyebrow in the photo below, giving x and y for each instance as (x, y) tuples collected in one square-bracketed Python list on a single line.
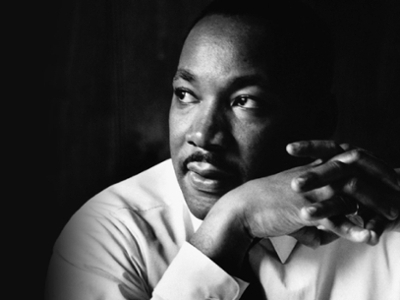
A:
[(185, 75), (250, 79)]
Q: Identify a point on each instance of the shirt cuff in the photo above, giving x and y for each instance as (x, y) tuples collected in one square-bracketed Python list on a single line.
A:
[(194, 276)]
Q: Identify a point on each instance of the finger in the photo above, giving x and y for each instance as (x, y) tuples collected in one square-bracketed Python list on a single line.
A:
[(328, 208), (354, 162), (377, 226), (321, 175), (317, 149), (377, 197), (372, 197), (346, 147), (370, 165), (337, 225), (358, 215), (320, 194), (342, 227), (313, 237)]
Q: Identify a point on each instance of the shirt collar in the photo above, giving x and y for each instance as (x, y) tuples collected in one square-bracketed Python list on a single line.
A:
[(283, 246)]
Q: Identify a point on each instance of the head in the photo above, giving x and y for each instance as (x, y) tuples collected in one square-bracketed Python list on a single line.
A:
[(251, 79)]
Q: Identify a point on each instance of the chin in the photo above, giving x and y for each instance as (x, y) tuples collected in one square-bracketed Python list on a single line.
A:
[(199, 198), (199, 205)]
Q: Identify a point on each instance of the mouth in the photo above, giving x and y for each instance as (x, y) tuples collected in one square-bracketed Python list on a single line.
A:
[(208, 178)]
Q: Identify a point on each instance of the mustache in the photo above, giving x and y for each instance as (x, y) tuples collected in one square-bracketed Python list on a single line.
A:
[(216, 160)]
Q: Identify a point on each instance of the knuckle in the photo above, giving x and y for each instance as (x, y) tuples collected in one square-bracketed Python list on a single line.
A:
[(305, 145), (362, 154), (345, 146), (353, 185), (336, 165), (358, 154), (331, 144)]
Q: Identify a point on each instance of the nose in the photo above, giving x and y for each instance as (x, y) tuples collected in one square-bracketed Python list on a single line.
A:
[(210, 128)]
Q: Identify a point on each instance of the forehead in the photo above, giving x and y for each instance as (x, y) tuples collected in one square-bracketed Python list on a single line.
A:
[(225, 43)]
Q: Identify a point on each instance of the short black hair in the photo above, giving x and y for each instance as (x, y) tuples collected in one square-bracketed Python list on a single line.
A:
[(303, 50), (304, 42)]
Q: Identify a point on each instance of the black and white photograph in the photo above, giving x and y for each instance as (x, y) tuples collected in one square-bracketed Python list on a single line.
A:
[(221, 149)]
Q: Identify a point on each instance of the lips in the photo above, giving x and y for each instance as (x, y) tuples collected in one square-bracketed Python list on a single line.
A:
[(208, 178)]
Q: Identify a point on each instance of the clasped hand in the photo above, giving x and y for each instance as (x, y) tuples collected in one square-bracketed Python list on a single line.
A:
[(311, 203), (344, 180)]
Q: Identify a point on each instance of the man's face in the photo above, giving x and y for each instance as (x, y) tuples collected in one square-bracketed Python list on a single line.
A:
[(227, 125)]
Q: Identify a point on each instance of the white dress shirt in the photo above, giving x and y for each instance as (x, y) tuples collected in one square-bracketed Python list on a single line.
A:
[(129, 242)]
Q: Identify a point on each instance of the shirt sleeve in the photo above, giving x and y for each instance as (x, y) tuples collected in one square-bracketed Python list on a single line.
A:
[(194, 276), (99, 256), (96, 257)]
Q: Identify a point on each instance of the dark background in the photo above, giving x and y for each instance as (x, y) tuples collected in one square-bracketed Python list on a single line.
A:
[(108, 73)]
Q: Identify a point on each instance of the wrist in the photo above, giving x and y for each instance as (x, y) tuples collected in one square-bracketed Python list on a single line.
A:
[(223, 237)]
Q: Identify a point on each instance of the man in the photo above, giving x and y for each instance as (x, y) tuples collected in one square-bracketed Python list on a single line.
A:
[(232, 214)]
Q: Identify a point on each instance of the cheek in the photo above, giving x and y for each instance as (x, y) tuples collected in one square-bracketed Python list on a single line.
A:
[(252, 140), (262, 149), (177, 130), (173, 132), (253, 136)]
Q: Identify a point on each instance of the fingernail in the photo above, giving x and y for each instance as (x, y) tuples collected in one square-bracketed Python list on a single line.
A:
[(311, 210), (295, 145), (296, 185), (292, 148), (374, 239), (300, 181)]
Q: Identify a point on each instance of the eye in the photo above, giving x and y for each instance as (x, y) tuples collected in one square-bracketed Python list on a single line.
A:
[(184, 95), (181, 94), (248, 102)]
